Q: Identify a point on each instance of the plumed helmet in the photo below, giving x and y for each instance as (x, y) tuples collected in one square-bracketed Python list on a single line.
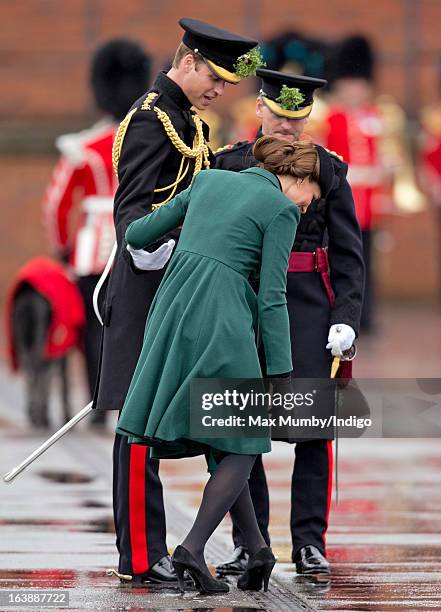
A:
[(293, 52), (120, 74)]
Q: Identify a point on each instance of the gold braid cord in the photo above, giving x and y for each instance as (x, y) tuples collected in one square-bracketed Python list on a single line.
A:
[(118, 142), (199, 151), (122, 129)]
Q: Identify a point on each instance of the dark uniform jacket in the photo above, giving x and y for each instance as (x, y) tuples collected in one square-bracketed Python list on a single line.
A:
[(148, 161), (330, 221)]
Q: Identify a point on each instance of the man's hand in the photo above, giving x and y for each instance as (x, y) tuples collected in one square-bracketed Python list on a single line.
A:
[(144, 260), (341, 337)]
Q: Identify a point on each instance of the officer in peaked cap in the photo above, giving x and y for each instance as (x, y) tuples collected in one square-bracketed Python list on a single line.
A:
[(159, 146), (289, 96), (229, 56), (284, 104), (319, 302)]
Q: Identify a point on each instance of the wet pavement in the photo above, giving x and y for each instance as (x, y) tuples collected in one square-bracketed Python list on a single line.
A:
[(384, 540)]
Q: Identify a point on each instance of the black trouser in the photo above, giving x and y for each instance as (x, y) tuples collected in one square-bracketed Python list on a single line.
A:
[(311, 487), (368, 308), (310, 496), (138, 507)]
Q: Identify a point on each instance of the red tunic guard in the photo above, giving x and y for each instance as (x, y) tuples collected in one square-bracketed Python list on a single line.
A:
[(78, 203), (355, 135), (430, 155)]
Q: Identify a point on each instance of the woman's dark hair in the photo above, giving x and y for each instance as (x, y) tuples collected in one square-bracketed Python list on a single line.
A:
[(298, 159)]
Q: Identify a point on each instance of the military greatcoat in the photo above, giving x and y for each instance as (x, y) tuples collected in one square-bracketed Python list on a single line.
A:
[(148, 162), (330, 222)]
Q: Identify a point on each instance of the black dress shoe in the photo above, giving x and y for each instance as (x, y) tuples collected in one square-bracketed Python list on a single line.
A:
[(162, 572), (309, 560), (236, 565), (183, 561), (258, 571)]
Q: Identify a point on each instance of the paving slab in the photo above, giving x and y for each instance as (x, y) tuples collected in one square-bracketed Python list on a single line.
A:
[(384, 540)]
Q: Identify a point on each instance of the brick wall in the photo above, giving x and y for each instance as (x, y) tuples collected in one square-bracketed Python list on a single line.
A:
[(23, 182), (45, 49), (46, 44)]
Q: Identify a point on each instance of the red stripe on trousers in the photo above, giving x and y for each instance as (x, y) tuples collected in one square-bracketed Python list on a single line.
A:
[(330, 468), (137, 519)]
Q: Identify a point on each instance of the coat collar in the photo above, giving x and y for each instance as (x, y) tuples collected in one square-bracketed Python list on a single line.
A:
[(269, 176), (169, 88), (259, 133)]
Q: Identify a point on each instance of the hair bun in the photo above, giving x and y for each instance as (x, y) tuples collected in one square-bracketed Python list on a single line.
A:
[(298, 159), (262, 147)]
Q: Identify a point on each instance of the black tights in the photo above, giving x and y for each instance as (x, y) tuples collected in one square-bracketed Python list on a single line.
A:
[(226, 490)]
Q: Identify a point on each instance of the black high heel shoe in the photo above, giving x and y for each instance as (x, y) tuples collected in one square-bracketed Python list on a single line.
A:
[(183, 561), (258, 571)]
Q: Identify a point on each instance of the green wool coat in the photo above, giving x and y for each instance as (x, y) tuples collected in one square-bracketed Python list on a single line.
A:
[(205, 315)]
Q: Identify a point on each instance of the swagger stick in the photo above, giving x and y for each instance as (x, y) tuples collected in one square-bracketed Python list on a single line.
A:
[(347, 355), (335, 366), (334, 369), (9, 477)]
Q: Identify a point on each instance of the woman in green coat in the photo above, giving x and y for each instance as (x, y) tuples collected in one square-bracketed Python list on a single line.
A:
[(203, 322)]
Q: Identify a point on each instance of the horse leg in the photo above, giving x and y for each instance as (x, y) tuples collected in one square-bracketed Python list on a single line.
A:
[(65, 392)]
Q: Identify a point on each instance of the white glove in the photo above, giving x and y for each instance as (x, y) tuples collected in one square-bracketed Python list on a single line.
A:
[(341, 337), (144, 260)]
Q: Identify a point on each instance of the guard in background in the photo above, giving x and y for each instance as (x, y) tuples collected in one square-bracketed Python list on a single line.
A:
[(322, 298), (158, 148), (430, 158), (78, 204), (355, 129)]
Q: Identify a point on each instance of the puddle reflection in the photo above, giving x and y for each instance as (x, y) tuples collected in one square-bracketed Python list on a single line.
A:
[(313, 586), (65, 477), (99, 525), (43, 579), (90, 503)]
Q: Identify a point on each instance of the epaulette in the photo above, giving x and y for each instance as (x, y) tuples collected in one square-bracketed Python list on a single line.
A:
[(149, 99), (226, 147), (334, 154), (123, 126), (232, 147)]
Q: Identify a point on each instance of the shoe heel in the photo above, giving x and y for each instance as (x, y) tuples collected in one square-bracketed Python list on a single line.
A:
[(268, 568), (180, 570)]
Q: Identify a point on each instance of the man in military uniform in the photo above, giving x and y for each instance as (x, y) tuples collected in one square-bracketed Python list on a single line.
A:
[(324, 312), (158, 148), (83, 183)]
